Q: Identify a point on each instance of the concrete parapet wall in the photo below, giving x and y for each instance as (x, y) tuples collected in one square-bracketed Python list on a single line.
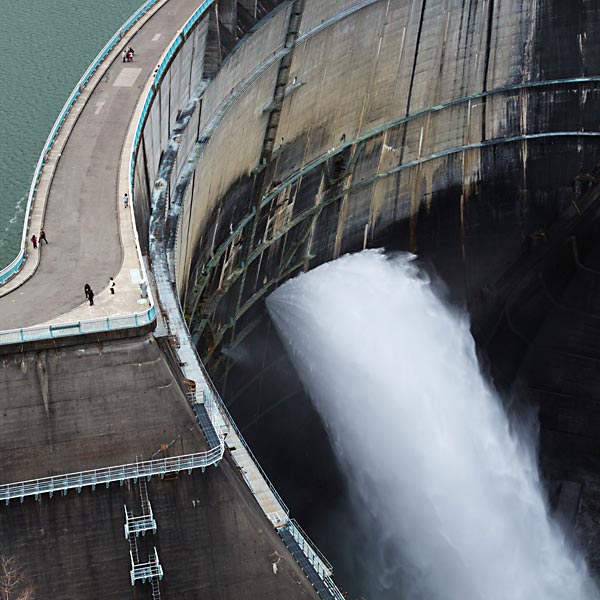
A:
[(181, 89)]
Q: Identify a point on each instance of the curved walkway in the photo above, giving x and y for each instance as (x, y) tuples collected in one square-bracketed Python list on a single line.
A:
[(84, 212)]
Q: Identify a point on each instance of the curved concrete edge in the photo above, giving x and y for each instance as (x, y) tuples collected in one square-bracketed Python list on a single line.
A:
[(127, 217), (38, 211), (75, 340), (242, 458)]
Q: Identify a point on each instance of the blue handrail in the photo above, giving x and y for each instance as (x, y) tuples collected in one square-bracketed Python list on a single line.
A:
[(160, 71), (13, 268), (61, 330)]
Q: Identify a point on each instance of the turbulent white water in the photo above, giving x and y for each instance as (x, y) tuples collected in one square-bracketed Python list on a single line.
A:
[(425, 444)]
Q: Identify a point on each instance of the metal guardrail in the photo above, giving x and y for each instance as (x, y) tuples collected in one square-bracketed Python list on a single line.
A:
[(29, 334), (146, 571), (107, 475), (229, 419), (13, 268), (210, 394), (316, 558), (158, 74), (213, 395), (61, 330)]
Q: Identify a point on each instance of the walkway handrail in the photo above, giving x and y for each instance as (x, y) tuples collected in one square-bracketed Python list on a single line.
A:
[(158, 74), (7, 272), (323, 567), (212, 393), (302, 538), (229, 420), (173, 48), (60, 330), (107, 475)]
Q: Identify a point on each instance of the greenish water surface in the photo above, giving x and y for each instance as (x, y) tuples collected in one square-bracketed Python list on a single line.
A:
[(45, 47)]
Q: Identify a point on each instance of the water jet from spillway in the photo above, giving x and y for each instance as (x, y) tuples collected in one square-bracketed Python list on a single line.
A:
[(428, 451)]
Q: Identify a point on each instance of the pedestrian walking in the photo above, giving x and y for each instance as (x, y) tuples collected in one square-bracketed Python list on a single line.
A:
[(86, 290), (124, 55), (42, 236), (129, 56), (90, 296), (34, 241), (112, 285), (131, 51), (126, 200)]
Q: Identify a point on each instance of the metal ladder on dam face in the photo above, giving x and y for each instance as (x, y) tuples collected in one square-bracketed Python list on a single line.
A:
[(137, 525), (283, 76), (150, 571)]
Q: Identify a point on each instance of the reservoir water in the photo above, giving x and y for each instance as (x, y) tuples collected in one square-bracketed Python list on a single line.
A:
[(45, 48)]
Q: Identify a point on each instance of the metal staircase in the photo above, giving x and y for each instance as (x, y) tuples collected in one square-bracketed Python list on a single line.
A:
[(311, 561), (150, 571), (144, 522), (207, 415)]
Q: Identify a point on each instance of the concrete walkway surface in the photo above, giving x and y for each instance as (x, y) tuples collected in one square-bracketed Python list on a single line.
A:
[(90, 232)]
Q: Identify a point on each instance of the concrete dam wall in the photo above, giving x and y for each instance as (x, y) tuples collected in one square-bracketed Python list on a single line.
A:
[(463, 131), (456, 130)]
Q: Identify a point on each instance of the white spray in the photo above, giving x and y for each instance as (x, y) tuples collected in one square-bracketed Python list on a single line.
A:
[(423, 440)]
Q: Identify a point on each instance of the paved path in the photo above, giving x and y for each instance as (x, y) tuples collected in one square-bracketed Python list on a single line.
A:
[(84, 214)]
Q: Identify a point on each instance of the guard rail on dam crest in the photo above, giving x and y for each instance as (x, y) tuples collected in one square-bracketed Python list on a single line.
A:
[(90, 326), (13, 268), (61, 330), (304, 551)]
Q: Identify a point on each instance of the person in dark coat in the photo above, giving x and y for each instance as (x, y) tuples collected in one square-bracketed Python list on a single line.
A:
[(42, 236), (34, 241), (86, 290), (90, 296)]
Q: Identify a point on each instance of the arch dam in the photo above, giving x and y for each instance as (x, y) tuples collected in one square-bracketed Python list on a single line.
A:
[(256, 140)]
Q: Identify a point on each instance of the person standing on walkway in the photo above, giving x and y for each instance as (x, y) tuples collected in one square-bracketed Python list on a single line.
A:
[(90, 296), (126, 200), (86, 290), (124, 55), (34, 241), (112, 285), (42, 236)]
